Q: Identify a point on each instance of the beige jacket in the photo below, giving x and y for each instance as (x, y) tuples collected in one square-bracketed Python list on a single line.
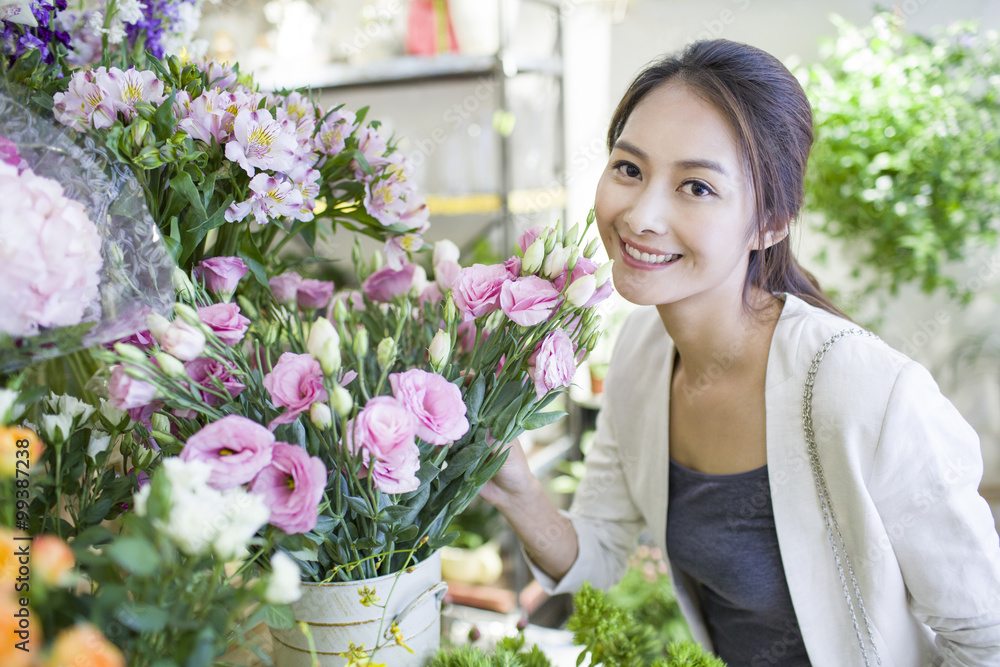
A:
[(902, 467)]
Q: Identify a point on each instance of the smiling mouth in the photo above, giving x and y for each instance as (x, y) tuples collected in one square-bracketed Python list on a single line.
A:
[(648, 258)]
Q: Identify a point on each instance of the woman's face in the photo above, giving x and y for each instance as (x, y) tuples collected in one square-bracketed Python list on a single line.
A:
[(673, 206)]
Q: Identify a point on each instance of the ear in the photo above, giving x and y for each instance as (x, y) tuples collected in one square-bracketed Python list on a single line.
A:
[(771, 236)]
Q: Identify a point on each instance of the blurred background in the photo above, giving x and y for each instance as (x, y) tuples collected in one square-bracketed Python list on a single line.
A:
[(502, 108)]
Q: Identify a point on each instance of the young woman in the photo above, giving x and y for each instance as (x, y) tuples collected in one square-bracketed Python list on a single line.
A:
[(814, 491)]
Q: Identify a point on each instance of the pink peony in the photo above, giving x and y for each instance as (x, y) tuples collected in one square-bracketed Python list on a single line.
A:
[(387, 283), (285, 287), (50, 255), (384, 434), (552, 365), (205, 372), (236, 448), (436, 403), (584, 267), (295, 383), (292, 486), (221, 274), (225, 320), (529, 300), (310, 294), (477, 289), (125, 392), (182, 340)]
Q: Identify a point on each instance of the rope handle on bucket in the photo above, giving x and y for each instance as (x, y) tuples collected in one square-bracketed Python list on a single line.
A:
[(437, 590)]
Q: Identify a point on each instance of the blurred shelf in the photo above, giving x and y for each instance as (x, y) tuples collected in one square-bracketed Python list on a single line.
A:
[(408, 70), (520, 202), (544, 459)]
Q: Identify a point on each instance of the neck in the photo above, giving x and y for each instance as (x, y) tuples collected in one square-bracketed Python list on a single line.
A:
[(720, 337)]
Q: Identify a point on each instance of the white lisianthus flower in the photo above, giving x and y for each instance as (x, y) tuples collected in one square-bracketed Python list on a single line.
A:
[(57, 428), (111, 413), (8, 398), (140, 499), (283, 586), (245, 513), (98, 443), (70, 405)]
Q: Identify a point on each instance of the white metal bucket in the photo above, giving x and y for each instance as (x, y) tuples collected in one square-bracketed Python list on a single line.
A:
[(336, 618)]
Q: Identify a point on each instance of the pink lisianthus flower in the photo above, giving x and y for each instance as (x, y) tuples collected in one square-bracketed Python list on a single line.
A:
[(292, 485), (295, 383), (130, 87), (528, 237), (225, 320), (387, 283), (204, 372), (552, 365), (272, 198), (477, 289), (384, 434), (334, 131), (221, 274), (182, 340), (127, 393), (585, 267), (529, 300), (513, 266), (85, 103), (465, 336), (430, 295), (436, 403), (311, 294), (285, 287), (260, 141), (235, 447), (50, 255)]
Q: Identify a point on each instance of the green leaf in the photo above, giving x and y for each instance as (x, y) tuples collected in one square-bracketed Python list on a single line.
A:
[(279, 616), (96, 512), (250, 254), (142, 617), (217, 219), (500, 399), (136, 555), (93, 536), (185, 187), (474, 398), (360, 506), (540, 419)]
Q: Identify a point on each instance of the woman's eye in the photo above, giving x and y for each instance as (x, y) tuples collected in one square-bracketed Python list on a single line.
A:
[(627, 169), (697, 188)]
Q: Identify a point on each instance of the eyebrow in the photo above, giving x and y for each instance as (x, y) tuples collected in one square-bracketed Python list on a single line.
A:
[(683, 164)]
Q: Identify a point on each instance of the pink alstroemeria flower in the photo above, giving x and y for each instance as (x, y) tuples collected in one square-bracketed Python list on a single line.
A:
[(334, 131), (272, 198), (85, 103), (260, 141), (128, 88)]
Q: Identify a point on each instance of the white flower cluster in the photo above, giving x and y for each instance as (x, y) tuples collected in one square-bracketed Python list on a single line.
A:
[(202, 519)]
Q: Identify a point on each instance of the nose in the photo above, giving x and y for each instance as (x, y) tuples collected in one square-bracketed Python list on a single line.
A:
[(650, 212)]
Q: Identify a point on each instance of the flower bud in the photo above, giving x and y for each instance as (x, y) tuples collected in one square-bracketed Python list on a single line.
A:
[(183, 285), (170, 365), (324, 345), (339, 310), (450, 310), (580, 290), (603, 273), (533, 257), (247, 308), (138, 131), (574, 257), (160, 422), (439, 350), (550, 240), (592, 247), (361, 343), (386, 353), (573, 235), (321, 415), (341, 400), (188, 314), (183, 339), (157, 325), (446, 251), (130, 352), (555, 262)]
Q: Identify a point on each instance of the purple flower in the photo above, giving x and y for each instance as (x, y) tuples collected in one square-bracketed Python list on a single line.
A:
[(387, 283), (225, 320), (529, 300), (182, 340), (477, 289), (236, 448), (384, 434), (585, 267), (126, 393), (260, 141), (436, 403), (221, 274), (292, 486), (552, 365), (204, 372), (295, 383), (273, 197), (310, 293), (285, 287)]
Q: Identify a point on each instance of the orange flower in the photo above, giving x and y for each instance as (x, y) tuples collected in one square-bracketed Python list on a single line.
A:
[(18, 444), (83, 645), (15, 619), (52, 561)]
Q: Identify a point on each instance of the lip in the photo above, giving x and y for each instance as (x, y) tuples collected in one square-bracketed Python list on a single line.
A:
[(638, 264)]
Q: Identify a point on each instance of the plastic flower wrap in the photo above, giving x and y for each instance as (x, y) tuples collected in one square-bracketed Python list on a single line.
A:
[(81, 261)]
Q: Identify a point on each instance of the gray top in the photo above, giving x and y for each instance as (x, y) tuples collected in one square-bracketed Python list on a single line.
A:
[(720, 533)]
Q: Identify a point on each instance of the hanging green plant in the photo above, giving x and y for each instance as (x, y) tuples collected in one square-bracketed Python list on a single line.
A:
[(906, 164)]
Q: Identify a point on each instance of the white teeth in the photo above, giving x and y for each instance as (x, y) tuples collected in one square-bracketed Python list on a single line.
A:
[(647, 258)]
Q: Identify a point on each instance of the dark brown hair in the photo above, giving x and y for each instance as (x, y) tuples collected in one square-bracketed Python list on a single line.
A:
[(769, 112)]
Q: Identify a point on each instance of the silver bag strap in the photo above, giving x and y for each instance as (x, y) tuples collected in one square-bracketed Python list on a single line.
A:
[(829, 516)]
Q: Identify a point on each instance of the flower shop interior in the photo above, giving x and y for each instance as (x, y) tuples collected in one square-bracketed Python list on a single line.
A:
[(245, 359)]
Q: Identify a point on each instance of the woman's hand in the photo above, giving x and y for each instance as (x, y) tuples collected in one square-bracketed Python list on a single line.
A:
[(512, 481)]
